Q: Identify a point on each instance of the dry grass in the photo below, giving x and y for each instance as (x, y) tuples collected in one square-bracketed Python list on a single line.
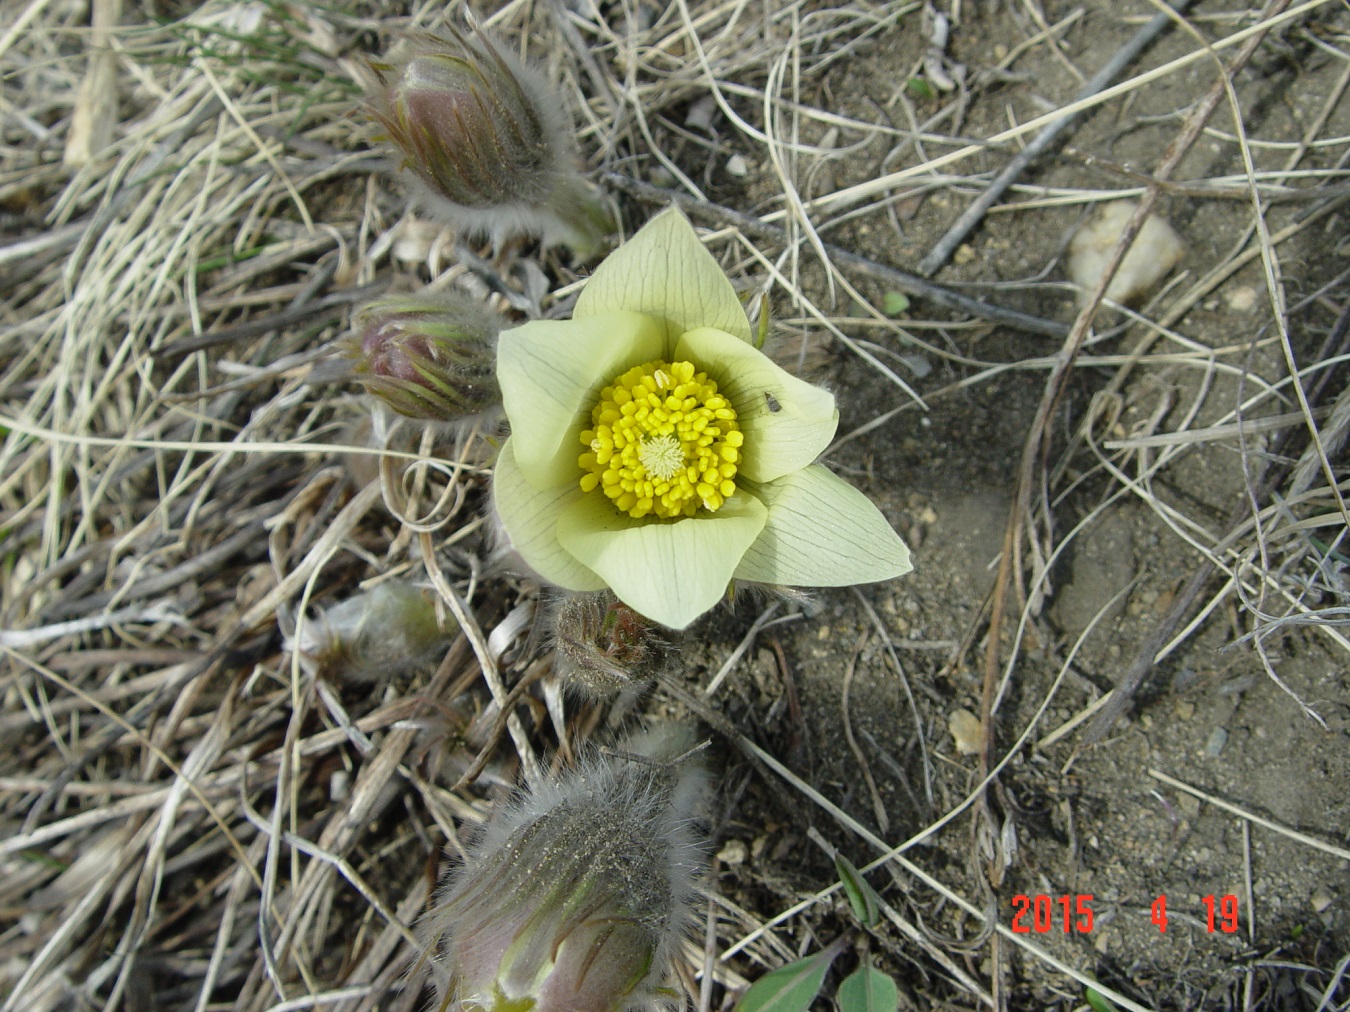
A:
[(190, 209)]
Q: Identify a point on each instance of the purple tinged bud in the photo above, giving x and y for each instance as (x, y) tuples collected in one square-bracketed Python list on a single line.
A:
[(577, 898), (490, 143), (430, 356)]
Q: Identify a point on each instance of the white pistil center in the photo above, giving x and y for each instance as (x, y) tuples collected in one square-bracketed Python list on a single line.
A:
[(662, 456)]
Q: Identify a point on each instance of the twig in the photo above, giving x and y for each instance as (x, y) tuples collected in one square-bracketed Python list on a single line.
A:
[(1247, 880), (878, 806), (746, 642), (1293, 834), (910, 284), (1119, 699), (329, 307), (1269, 194), (973, 215), (159, 611), (1333, 435)]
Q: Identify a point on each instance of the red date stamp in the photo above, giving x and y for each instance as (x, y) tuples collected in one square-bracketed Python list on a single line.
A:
[(1038, 913), (1069, 914)]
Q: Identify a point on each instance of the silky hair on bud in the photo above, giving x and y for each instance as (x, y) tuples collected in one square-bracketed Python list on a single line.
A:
[(487, 142), (577, 895), (602, 646), (373, 636)]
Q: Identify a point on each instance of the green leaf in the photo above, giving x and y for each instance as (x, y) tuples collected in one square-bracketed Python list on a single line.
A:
[(822, 532), (920, 88), (790, 988), (530, 518), (552, 371), (671, 571), (861, 896), (787, 422), (867, 989), (894, 303), (1098, 1001), (664, 271)]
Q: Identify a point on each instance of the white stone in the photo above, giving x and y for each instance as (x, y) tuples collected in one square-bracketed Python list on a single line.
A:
[(1156, 250)]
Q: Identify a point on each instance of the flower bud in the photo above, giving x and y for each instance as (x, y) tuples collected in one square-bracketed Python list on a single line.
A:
[(374, 635), (429, 356), (576, 898), (488, 141), (603, 646)]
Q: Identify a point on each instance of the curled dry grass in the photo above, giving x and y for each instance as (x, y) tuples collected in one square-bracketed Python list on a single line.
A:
[(191, 209)]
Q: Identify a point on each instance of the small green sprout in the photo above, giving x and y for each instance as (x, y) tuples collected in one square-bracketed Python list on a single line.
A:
[(920, 88), (895, 303), (867, 989)]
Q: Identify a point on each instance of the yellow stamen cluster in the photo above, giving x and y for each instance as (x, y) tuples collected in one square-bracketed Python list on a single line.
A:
[(662, 441)]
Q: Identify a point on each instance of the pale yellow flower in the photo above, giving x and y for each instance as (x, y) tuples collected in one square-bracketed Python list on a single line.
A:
[(655, 451)]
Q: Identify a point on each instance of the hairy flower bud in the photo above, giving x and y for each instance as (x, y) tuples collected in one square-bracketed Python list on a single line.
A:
[(490, 144), (576, 899), (429, 355), (373, 635), (603, 646)]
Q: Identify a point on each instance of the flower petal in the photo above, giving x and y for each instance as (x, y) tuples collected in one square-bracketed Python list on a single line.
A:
[(530, 518), (551, 371), (822, 532), (669, 571), (665, 271), (787, 422)]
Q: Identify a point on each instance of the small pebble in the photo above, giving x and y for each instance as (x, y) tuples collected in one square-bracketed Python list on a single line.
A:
[(700, 114), (1237, 685), (1183, 678), (1242, 299), (737, 166), (964, 254), (733, 852), (918, 365), (1320, 900), (1218, 738), (967, 731), (1189, 805), (1156, 250), (1185, 709)]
